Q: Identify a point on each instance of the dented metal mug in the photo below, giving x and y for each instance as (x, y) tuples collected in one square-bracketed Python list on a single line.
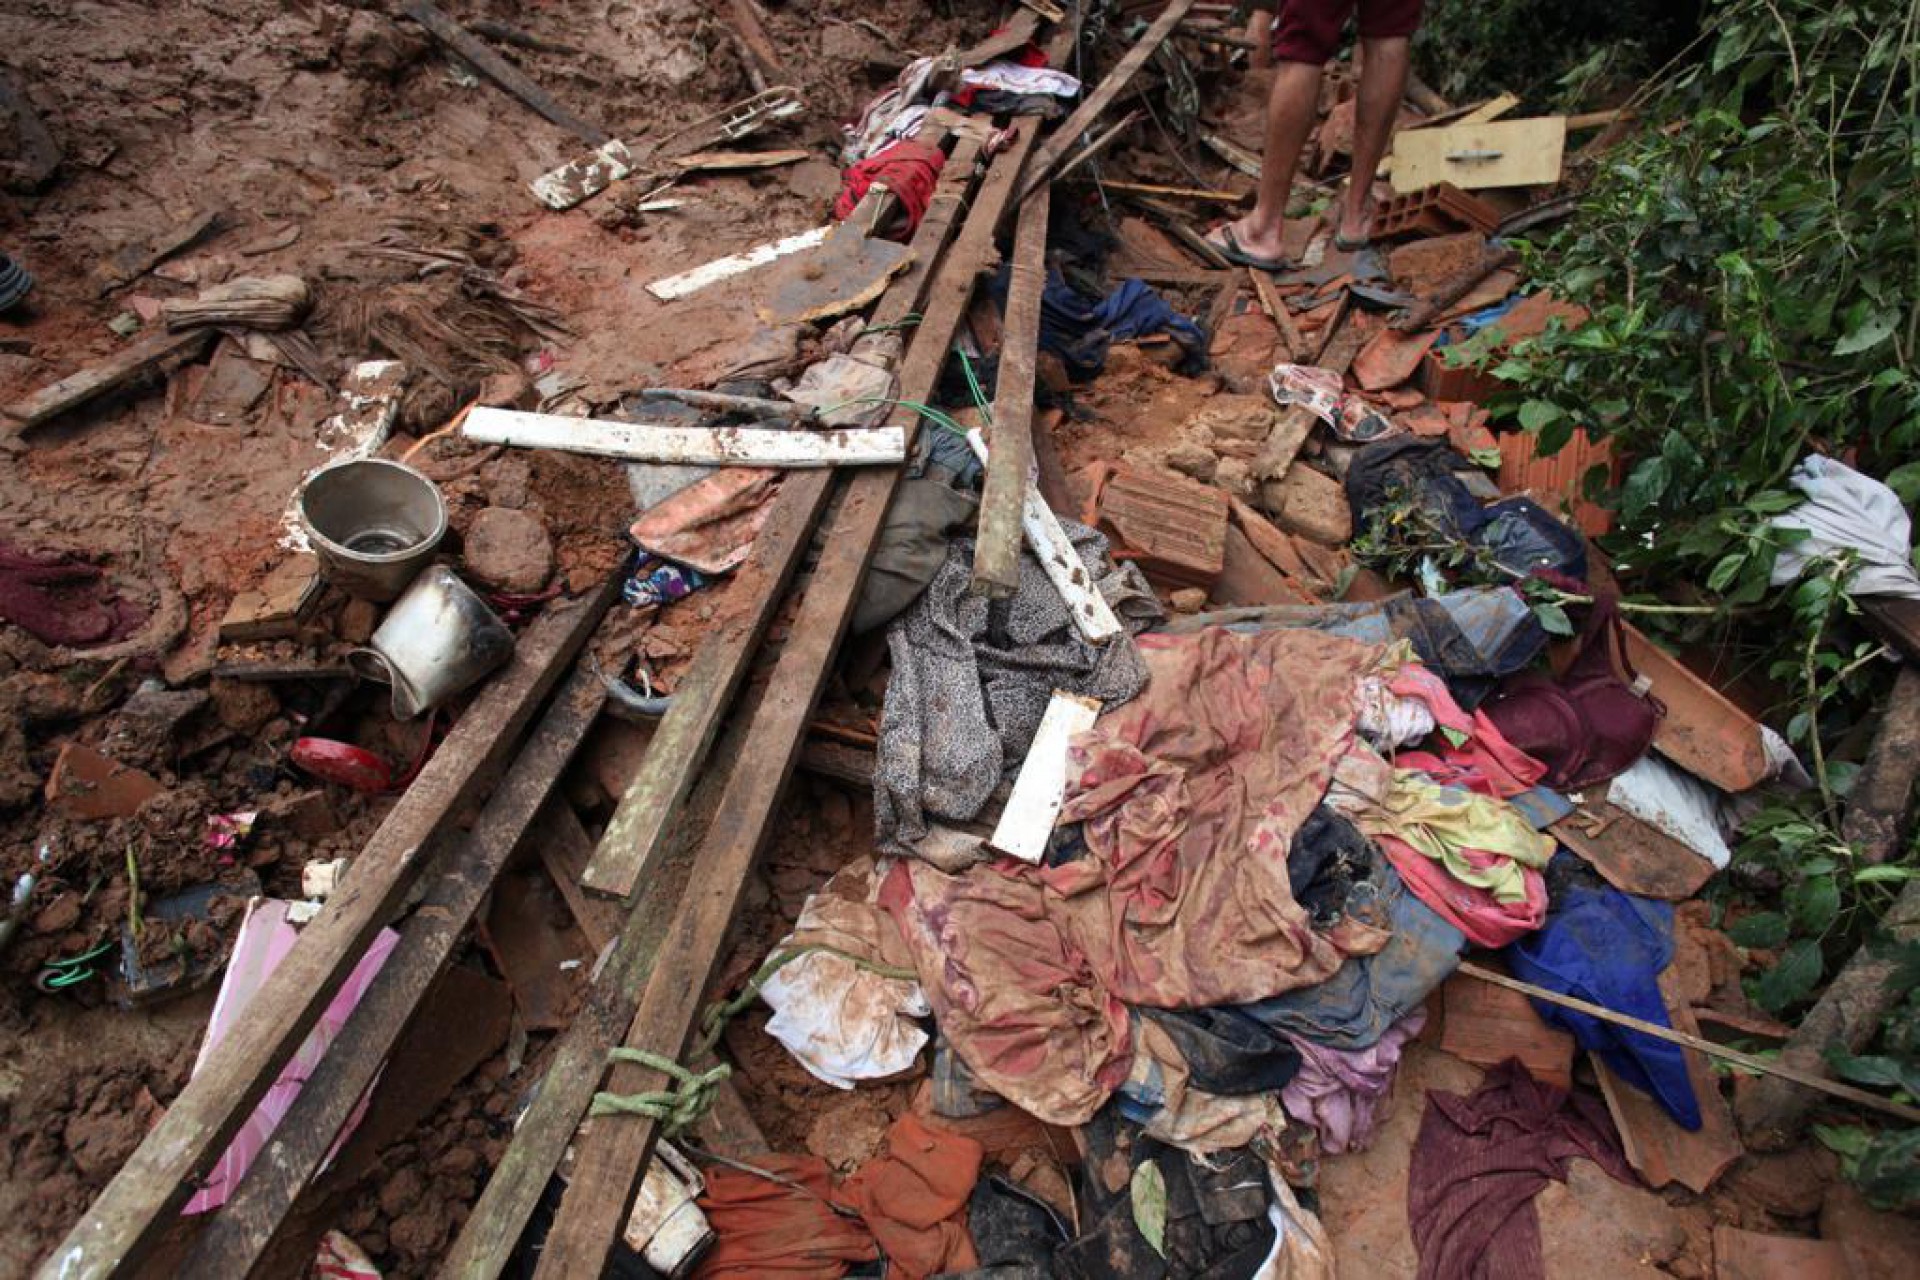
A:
[(438, 639)]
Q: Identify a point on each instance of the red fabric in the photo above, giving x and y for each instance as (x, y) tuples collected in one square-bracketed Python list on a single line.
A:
[(766, 1228), (914, 1198), (909, 169), (1474, 911), (62, 599), (1309, 30), (1479, 1162)]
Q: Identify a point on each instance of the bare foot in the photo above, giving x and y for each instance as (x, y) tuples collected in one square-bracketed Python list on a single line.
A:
[(1355, 228), (1248, 239)]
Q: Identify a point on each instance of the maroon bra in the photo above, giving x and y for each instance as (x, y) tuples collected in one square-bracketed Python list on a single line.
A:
[(1590, 725)]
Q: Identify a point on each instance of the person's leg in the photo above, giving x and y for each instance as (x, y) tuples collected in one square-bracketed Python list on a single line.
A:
[(1260, 35), (1308, 32), (1385, 56), (1383, 80)]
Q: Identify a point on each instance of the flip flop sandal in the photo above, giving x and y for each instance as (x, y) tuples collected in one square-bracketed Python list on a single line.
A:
[(1345, 245), (1233, 253)]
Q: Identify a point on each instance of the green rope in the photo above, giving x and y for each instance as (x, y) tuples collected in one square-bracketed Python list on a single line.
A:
[(973, 385), (924, 410), (721, 1012), (690, 1098)]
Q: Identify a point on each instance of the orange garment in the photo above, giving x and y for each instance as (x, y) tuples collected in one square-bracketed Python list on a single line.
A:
[(914, 1198), (765, 1228)]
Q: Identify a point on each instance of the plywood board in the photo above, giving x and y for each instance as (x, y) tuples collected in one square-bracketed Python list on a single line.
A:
[(701, 446), (1500, 153)]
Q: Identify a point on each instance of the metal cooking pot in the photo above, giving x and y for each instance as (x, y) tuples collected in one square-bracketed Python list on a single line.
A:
[(438, 639)]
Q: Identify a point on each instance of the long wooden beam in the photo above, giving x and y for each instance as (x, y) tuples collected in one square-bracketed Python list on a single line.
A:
[(145, 1196), (486, 1243), (239, 1235), (679, 746), (609, 1158), (1075, 126), (996, 556)]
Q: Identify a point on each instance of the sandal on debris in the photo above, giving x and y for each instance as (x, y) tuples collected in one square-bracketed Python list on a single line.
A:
[(1229, 248)]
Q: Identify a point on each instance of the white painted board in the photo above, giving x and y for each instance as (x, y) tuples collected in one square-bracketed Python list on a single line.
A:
[(679, 286), (1041, 789), (1092, 616), (700, 446)]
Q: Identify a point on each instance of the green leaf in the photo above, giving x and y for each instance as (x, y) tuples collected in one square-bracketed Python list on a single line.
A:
[(1869, 333), (1792, 978), (1763, 929), (1149, 1194), (1535, 414), (1553, 618), (1882, 875), (1815, 903), (1725, 571)]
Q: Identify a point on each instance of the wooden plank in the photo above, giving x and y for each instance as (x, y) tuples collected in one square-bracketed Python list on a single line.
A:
[(610, 1157), (1293, 344), (1075, 126), (235, 1239), (142, 1201), (669, 288), (134, 261), (150, 354), (486, 1242), (680, 744), (1092, 616), (565, 848), (503, 73), (733, 161), (1206, 195), (1500, 153), (699, 446), (996, 556), (1026, 824)]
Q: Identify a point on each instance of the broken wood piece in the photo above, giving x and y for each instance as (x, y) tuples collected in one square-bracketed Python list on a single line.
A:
[(565, 848), (1026, 824), (157, 353), (844, 274), (1092, 616), (1778, 1070), (1491, 109), (743, 18), (1046, 9), (234, 1239), (1075, 126), (1097, 145), (669, 288), (1293, 344), (1003, 499), (697, 446), (503, 73), (143, 1200), (1176, 224), (1234, 154), (1205, 194), (1500, 153), (732, 161), (250, 302), (134, 261)]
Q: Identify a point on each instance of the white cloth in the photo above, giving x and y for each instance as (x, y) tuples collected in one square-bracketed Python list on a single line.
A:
[(1671, 800), (844, 1023), (1013, 77), (1846, 510), (895, 113)]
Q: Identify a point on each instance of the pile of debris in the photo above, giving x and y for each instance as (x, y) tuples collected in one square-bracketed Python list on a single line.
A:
[(1246, 831)]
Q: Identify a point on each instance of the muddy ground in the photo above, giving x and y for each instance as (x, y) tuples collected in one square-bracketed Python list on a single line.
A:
[(341, 145)]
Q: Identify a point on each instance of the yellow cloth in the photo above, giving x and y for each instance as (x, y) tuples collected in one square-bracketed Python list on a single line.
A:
[(1441, 822)]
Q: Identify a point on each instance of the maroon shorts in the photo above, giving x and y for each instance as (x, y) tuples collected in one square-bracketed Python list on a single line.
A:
[(1309, 30)]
